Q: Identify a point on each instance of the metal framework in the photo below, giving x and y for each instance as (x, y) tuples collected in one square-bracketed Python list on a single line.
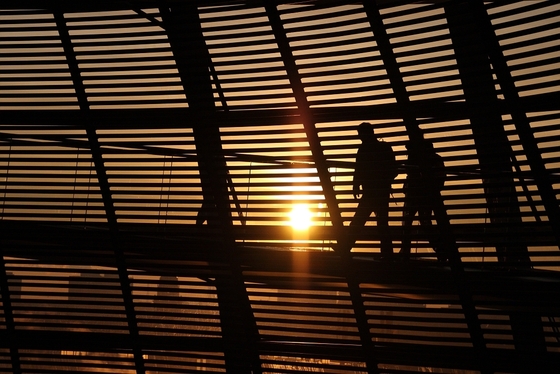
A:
[(151, 152)]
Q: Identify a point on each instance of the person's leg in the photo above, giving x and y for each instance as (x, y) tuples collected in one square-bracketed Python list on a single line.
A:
[(381, 210), (435, 235), (206, 212), (410, 208), (425, 216), (409, 211), (363, 212)]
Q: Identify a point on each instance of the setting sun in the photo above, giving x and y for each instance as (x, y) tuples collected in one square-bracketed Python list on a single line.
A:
[(300, 217)]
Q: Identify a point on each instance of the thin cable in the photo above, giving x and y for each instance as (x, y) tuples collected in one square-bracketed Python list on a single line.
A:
[(75, 181), (6, 183), (161, 186), (248, 189), (168, 190), (88, 191)]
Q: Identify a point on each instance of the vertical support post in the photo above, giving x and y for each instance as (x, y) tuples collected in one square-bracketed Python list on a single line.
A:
[(182, 23), (104, 187), (493, 149)]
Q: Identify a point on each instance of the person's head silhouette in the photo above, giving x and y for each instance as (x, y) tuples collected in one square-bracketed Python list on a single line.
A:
[(419, 146), (365, 131)]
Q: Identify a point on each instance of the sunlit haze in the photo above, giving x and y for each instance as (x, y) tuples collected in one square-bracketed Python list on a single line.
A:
[(300, 217)]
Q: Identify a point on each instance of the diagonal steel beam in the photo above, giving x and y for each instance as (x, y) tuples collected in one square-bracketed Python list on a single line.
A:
[(239, 330), (216, 81), (327, 186), (8, 311), (405, 106), (408, 114), (305, 114), (493, 149), (440, 212), (527, 327), (519, 115), (8, 314), (89, 127), (104, 187)]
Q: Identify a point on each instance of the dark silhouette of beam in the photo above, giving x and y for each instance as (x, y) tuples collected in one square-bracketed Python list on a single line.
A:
[(5, 295), (444, 227), (182, 23), (104, 186), (326, 183), (88, 125), (158, 253), (305, 114), (409, 115), (518, 110), (146, 118), (465, 19), (493, 148), (8, 311)]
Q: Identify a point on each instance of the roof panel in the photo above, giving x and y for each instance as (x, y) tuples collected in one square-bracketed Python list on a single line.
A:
[(151, 154)]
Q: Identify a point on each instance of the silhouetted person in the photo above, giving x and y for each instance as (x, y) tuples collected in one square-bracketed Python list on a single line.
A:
[(425, 180), (374, 172), (206, 212)]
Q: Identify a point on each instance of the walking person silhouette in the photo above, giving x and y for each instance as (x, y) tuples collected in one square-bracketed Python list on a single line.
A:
[(425, 180), (374, 173)]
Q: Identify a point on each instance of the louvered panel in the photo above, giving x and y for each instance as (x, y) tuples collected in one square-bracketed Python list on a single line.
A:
[(496, 329), (500, 316), (49, 174), (66, 298), (531, 54), (340, 141), (430, 369), (551, 324), (125, 60), (153, 174), (172, 306), (34, 72), (463, 193), (270, 172), (545, 126), (319, 315), (532, 50), (295, 304), (5, 362), (309, 303), (74, 361), (336, 54), (247, 69), (424, 51), (295, 364), (425, 319), (163, 362), (2, 317)]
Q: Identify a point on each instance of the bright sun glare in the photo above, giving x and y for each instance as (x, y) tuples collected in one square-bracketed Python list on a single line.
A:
[(300, 217)]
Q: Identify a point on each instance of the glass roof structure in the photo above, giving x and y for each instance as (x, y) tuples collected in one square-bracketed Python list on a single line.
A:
[(152, 153)]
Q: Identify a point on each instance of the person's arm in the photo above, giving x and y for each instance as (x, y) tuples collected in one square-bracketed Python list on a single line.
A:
[(356, 190), (356, 181)]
